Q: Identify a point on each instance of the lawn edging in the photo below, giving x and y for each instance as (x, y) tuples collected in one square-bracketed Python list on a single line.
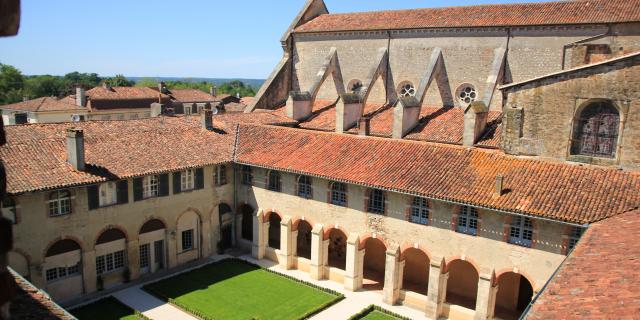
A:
[(339, 296), (371, 308)]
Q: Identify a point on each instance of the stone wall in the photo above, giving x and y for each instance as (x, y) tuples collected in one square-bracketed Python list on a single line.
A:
[(539, 116), (84, 226)]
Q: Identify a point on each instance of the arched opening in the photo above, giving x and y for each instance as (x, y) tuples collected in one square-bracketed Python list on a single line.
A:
[(462, 285), (225, 215), (375, 256), (188, 236), (274, 231), (303, 240), (62, 269), (595, 130), (152, 246), (514, 295), (337, 249), (247, 222), (416, 271)]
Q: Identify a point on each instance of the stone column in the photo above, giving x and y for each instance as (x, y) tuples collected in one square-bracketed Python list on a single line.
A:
[(172, 249), (133, 259), (259, 235), (392, 275), (484, 301), (355, 266), (89, 271), (318, 254), (285, 254), (437, 292)]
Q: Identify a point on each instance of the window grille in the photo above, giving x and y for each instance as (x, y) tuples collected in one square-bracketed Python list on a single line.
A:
[(304, 187), (521, 231), (376, 201), (187, 240), (339, 194), (187, 180), (596, 131), (420, 211), (274, 181)]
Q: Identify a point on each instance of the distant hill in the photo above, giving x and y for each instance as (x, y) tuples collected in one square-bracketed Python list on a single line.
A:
[(256, 83)]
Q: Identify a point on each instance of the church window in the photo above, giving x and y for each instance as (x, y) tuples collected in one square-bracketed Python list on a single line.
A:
[(466, 94), (407, 89), (595, 132)]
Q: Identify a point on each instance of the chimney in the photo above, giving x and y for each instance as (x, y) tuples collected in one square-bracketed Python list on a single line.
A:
[(475, 121), (406, 115), (75, 148), (162, 87), (206, 119), (238, 95), (299, 105), (156, 109), (498, 186), (213, 90), (81, 97), (364, 126), (348, 111)]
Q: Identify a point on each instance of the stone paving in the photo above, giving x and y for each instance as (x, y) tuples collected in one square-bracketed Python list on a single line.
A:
[(353, 303)]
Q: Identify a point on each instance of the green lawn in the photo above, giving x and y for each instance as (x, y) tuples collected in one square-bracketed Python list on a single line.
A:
[(105, 309), (233, 289), (377, 315)]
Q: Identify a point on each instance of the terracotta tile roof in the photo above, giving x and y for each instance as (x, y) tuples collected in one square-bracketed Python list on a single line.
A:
[(234, 107), (561, 191), (45, 104), (35, 154), (601, 278), (323, 116), (492, 134), (123, 97), (190, 95), (381, 123), (30, 303), (247, 100), (270, 117), (520, 14)]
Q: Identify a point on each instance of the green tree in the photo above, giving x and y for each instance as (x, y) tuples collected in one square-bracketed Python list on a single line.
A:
[(87, 80), (45, 86), (147, 82), (11, 84), (119, 81)]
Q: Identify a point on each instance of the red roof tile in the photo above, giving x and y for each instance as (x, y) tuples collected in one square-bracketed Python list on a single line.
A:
[(45, 104), (30, 303), (191, 95), (123, 97), (601, 277), (323, 116), (547, 189), (521, 14), (35, 155)]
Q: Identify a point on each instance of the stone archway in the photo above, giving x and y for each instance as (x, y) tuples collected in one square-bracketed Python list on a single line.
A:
[(337, 248), (462, 284), (152, 246), (62, 269), (274, 230), (303, 239), (375, 255), (416, 271), (514, 295)]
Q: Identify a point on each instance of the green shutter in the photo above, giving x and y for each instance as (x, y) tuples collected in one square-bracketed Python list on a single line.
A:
[(122, 191), (199, 179), (163, 185), (137, 189), (93, 197), (177, 187)]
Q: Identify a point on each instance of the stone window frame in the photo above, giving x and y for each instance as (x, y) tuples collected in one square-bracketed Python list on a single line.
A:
[(186, 240), (581, 103), (150, 186), (472, 95), (58, 200), (403, 89), (304, 189), (334, 196)]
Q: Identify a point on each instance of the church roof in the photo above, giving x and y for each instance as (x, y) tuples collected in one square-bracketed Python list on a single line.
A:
[(519, 14), (562, 191), (600, 278)]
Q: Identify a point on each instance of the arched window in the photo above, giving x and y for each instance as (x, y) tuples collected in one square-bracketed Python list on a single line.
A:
[(9, 209), (274, 183), (338, 194), (468, 220), (376, 201), (420, 211), (595, 131), (59, 203), (304, 187), (521, 232), (247, 176), (406, 89)]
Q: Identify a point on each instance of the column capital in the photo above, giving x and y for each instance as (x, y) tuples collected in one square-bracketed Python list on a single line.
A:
[(318, 229)]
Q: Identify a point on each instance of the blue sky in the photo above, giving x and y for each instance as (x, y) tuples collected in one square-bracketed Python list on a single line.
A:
[(188, 38)]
